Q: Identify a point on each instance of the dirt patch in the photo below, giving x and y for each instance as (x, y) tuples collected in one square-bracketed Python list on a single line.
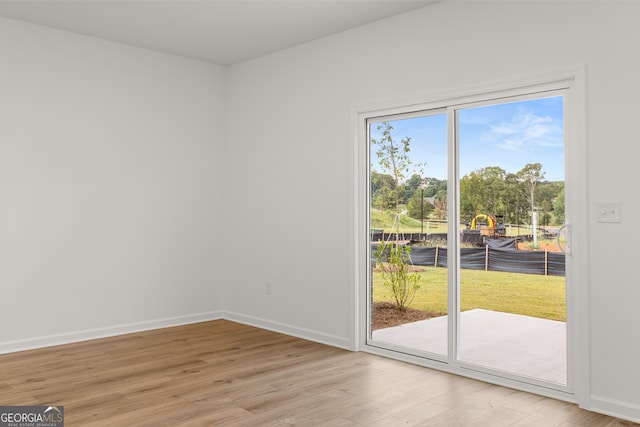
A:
[(386, 315), (542, 246)]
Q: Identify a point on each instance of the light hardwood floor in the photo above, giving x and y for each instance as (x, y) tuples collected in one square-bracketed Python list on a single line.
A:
[(227, 374)]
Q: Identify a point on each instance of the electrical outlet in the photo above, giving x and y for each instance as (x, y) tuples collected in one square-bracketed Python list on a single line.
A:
[(609, 212), (267, 287)]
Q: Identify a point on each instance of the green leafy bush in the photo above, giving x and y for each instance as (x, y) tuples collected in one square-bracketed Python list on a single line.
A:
[(394, 261)]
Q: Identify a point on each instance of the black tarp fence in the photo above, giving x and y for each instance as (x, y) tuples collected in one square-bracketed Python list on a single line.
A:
[(472, 238), (492, 259)]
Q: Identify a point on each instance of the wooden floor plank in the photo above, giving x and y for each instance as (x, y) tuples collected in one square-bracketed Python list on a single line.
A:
[(228, 374)]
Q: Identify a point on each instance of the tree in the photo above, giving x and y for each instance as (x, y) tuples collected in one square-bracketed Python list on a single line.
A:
[(530, 175), (482, 191), (515, 199), (418, 207), (558, 207), (471, 191), (440, 203), (393, 158), (382, 191), (433, 186), (494, 189), (384, 199), (381, 180), (411, 186), (547, 193)]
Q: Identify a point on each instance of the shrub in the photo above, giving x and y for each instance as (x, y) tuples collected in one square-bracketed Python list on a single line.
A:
[(394, 261)]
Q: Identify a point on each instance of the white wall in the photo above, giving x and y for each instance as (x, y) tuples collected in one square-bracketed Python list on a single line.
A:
[(117, 183), (109, 158), (291, 155)]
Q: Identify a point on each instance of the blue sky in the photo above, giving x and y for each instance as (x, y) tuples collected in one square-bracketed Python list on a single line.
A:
[(506, 135)]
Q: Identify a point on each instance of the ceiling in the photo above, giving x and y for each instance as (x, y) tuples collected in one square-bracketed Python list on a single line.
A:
[(223, 32)]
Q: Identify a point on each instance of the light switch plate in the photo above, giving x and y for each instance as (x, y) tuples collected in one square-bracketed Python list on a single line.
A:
[(609, 212)]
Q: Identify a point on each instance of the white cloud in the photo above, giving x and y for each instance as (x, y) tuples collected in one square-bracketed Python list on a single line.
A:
[(525, 133)]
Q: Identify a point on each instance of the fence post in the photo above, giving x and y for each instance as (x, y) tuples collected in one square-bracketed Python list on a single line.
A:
[(435, 264), (546, 262), (486, 258)]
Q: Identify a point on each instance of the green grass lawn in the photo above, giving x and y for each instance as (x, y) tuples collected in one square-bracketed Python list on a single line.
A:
[(526, 294), (385, 219)]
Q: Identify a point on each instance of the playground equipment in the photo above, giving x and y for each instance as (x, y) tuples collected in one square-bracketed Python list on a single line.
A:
[(494, 228), (489, 218)]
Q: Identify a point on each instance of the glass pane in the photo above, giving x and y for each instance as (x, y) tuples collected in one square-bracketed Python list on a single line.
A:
[(408, 224), (511, 280)]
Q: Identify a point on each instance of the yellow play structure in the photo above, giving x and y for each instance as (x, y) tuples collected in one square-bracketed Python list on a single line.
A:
[(490, 229)]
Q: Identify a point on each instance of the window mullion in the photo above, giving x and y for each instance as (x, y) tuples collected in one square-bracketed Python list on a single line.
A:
[(452, 235)]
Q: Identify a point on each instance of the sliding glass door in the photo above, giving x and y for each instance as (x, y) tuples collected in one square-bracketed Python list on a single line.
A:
[(466, 236), (512, 297), (408, 229)]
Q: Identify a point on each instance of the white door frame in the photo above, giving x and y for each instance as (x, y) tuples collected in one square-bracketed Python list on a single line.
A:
[(573, 80)]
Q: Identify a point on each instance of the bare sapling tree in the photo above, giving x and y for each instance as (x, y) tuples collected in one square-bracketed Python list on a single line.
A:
[(530, 175), (395, 257)]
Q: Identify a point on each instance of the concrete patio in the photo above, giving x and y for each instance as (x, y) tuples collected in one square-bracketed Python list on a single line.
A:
[(508, 342)]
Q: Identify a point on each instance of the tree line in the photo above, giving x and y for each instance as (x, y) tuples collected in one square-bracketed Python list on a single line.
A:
[(490, 190)]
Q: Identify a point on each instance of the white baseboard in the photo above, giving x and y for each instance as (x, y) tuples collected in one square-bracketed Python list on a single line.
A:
[(615, 408), (110, 331), (307, 334)]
